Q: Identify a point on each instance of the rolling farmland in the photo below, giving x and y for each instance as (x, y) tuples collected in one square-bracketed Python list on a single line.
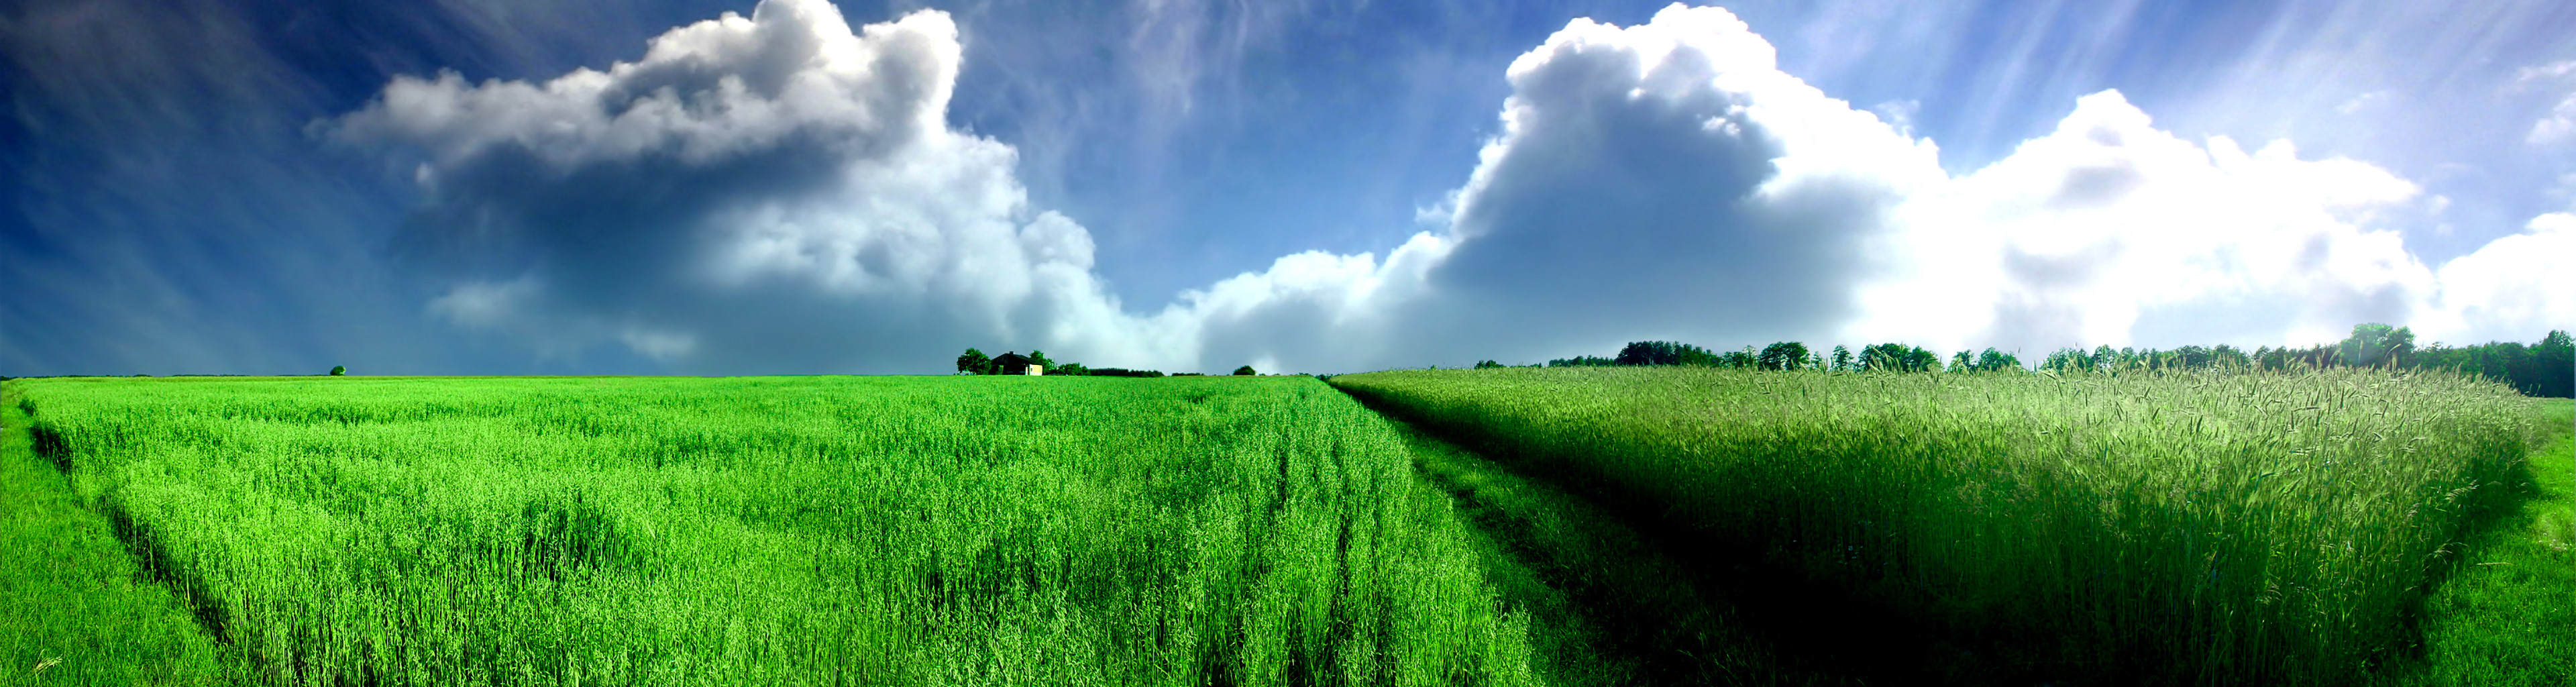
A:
[(783, 531)]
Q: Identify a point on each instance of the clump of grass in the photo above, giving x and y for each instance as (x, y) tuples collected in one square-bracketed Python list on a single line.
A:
[(2209, 527), (792, 531)]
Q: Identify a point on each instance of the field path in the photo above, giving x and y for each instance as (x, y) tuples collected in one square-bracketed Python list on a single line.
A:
[(1612, 605), (74, 610)]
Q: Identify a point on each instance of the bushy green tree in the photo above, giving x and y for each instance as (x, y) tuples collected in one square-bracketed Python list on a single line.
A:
[(1785, 355), (1245, 371), (1842, 359), (339, 370), (1894, 357), (974, 362), (2368, 345), (1488, 365), (2224, 355), (1996, 361), (1664, 353)]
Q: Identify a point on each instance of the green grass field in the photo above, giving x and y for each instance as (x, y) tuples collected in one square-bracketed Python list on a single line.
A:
[(2202, 528), (1604, 526), (769, 531)]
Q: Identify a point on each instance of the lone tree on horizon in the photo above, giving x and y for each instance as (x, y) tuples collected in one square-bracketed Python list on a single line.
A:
[(974, 362)]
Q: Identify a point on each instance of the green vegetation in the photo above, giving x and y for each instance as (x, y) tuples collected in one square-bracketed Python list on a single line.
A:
[(1608, 607), (773, 531), (339, 370), (2508, 617), (73, 608), (2156, 528), (1245, 371), (2545, 368)]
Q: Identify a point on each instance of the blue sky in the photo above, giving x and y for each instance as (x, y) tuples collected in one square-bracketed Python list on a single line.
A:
[(220, 187)]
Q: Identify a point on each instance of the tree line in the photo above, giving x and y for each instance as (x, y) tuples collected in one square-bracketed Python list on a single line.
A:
[(2545, 368), (975, 362), (1793, 355)]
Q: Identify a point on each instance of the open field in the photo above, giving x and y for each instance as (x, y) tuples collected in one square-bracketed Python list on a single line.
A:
[(775, 531), (2156, 529), (1621, 526)]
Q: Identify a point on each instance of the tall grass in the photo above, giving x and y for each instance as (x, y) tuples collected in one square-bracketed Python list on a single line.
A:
[(73, 608), (2205, 528), (789, 531)]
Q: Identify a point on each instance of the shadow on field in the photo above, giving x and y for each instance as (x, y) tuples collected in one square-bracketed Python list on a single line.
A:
[(1660, 599), (1686, 605), (152, 559)]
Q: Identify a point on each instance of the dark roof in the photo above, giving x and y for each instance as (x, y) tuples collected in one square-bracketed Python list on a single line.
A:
[(1011, 359)]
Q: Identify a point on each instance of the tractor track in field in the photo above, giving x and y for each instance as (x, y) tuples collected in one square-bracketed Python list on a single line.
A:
[(1679, 610)]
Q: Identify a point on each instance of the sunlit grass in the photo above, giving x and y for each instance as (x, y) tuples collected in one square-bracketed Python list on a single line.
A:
[(2159, 529), (73, 608), (782, 531)]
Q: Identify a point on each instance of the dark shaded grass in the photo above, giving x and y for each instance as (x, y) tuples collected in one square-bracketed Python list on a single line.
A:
[(1854, 606), (1623, 597), (1674, 606)]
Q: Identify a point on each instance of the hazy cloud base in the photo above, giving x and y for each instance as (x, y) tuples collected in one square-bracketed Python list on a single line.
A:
[(780, 193)]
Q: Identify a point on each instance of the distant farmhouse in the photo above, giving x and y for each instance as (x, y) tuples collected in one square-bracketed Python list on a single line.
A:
[(1016, 364)]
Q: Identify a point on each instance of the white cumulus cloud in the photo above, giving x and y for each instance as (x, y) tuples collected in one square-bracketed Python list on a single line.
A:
[(779, 192)]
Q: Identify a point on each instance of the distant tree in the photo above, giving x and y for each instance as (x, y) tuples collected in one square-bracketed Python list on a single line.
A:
[(1664, 353), (1963, 362), (2399, 345), (1785, 355), (2067, 360), (1582, 361), (1245, 371), (339, 370), (1123, 372), (1894, 357), (2367, 346), (1069, 369), (2192, 357), (974, 362), (1997, 361), (1038, 357), (2553, 366), (2227, 356), (1488, 365), (2546, 368), (1842, 359)]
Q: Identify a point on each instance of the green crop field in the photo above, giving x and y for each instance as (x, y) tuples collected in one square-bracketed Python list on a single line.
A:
[(769, 531), (1589, 526), (2202, 528)]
